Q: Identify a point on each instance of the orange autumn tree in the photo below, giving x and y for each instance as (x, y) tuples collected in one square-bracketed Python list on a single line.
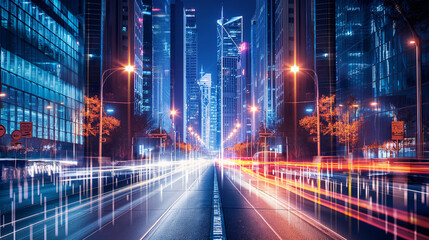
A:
[(328, 116), (334, 121), (91, 115)]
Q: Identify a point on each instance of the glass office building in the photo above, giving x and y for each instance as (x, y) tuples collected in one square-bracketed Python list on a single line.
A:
[(263, 55), (229, 39), (376, 74), (161, 63), (193, 95), (41, 76)]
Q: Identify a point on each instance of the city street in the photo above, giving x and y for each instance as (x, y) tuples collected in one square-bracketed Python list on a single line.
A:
[(205, 199)]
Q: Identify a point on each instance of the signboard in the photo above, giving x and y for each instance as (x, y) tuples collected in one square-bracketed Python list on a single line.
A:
[(16, 135), (398, 130), (266, 135), (26, 129), (157, 135), (16, 143), (2, 130)]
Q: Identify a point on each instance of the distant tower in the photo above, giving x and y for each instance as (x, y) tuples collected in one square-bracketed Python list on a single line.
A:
[(229, 39), (192, 96), (205, 87)]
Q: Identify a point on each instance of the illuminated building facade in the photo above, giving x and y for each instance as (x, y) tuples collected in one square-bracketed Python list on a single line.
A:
[(229, 39), (205, 88), (192, 89), (41, 76), (244, 94), (263, 68), (376, 72)]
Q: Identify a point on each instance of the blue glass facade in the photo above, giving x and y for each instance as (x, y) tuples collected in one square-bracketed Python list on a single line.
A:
[(193, 95), (263, 56), (376, 71), (41, 75), (161, 63)]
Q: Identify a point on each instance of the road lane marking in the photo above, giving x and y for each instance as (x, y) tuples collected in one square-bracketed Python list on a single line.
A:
[(170, 207), (313, 222), (218, 226), (257, 212)]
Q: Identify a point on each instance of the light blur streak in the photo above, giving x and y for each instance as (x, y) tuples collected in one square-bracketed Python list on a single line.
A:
[(183, 166), (274, 200), (308, 192)]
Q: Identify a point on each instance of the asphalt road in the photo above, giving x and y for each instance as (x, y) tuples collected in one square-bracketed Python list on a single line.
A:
[(192, 200), (249, 215)]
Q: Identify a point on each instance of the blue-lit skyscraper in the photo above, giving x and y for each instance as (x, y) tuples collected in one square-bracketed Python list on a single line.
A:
[(229, 39), (244, 94), (41, 75), (161, 63), (205, 88), (192, 89), (263, 68)]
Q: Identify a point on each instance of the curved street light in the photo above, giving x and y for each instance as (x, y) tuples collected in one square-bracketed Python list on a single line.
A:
[(295, 69), (128, 69)]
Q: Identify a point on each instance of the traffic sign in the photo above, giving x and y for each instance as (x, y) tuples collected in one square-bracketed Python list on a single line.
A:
[(398, 130), (26, 129), (266, 135), (315, 139), (157, 135), (16, 135), (2, 130)]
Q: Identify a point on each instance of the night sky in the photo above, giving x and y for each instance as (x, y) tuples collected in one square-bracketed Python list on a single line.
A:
[(208, 11)]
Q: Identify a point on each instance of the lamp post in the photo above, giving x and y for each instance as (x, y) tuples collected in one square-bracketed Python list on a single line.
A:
[(190, 129), (52, 107), (129, 69), (295, 69), (173, 113), (253, 109), (374, 105), (420, 138)]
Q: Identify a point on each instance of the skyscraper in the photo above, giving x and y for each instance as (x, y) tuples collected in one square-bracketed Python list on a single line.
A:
[(147, 60), (324, 57), (205, 88), (95, 11), (244, 94), (161, 63), (42, 75), (123, 92), (263, 68), (229, 39), (294, 92), (178, 96), (376, 69), (192, 90)]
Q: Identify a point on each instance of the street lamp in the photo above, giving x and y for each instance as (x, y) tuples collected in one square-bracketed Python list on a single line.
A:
[(295, 69), (51, 107), (173, 113), (253, 109), (420, 137), (128, 69)]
